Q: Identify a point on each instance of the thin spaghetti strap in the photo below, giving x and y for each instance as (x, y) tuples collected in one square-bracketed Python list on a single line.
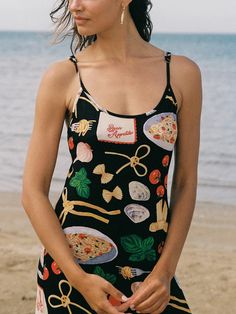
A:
[(168, 60), (75, 61)]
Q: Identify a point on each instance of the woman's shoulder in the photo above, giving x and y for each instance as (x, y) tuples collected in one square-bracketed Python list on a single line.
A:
[(60, 71), (58, 80), (184, 65), (56, 83), (185, 77)]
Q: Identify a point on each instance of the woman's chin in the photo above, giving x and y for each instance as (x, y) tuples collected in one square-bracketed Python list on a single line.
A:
[(84, 32)]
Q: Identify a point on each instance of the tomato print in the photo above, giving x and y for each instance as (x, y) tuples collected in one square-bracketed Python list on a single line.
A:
[(55, 268), (160, 190), (87, 250), (155, 176), (172, 140), (45, 273), (71, 143), (165, 161)]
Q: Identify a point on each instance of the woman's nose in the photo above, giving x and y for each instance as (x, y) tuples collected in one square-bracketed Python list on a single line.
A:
[(75, 5)]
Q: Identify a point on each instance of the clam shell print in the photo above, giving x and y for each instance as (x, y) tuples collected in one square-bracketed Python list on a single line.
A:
[(161, 129), (138, 191), (84, 152), (137, 213)]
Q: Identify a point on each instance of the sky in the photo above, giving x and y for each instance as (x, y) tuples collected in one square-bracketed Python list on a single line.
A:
[(197, 16)]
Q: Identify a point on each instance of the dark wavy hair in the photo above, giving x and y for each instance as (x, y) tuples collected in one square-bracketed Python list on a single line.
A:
[(61, 16)]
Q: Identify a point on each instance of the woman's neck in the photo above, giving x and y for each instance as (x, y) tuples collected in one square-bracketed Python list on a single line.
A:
[(118, 43)]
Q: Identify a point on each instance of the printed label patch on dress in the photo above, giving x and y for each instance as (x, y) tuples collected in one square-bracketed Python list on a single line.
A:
[(116, 130)]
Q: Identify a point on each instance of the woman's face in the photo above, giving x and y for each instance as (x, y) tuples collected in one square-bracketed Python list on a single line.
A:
[(100, 15)]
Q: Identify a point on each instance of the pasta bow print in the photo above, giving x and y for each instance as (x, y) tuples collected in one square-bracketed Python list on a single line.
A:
[(134, 161), (161, 223), (64, 300), (117, 193), (68, 207), (106, 177)]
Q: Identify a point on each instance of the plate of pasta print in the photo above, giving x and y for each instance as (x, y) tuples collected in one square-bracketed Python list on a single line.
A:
[(161, 129), (90, 246)]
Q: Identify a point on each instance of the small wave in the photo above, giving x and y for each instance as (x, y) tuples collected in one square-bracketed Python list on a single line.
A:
[(219, 184)]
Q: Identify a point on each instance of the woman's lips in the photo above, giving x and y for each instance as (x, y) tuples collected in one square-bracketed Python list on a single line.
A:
[(80, 19)]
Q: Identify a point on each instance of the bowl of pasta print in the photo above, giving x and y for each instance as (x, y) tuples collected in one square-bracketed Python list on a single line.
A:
[(161, 129), (90, 246)]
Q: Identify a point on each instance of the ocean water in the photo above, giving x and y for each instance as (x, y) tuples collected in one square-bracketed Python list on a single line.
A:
[(24, 56)]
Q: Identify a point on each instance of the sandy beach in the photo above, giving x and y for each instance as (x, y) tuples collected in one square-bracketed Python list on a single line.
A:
[(205, 270)]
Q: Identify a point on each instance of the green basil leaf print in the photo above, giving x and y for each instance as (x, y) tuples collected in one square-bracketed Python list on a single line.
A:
[(148, 243), (80, 182), (151, 255), (74, 182), (82, 174), (140, 249), (99, 271), (137, 257), (83, 190), (132, 243), (87, 181)]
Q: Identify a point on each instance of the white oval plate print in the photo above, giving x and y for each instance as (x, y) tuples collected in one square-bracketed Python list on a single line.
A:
[(161, 129)]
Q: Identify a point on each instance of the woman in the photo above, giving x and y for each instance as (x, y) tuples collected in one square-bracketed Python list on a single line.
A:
[(112, 242)]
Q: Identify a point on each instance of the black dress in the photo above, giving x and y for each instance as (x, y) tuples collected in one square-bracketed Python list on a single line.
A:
[(113, 208)]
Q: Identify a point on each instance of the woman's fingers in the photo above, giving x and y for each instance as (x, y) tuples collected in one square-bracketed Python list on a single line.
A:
[(110, 309), (123, 307), (140, 296), (96, 289), (156, 308), (105, 307), (153, 301), (115, 293)]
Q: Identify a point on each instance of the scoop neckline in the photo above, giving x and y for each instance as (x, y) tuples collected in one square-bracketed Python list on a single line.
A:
[(127, 116)]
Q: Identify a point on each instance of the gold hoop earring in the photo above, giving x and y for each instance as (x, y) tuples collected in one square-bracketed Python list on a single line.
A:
[(122, 16)]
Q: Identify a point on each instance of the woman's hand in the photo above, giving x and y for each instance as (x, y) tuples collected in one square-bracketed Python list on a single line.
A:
[(95, 290), (152, 295)]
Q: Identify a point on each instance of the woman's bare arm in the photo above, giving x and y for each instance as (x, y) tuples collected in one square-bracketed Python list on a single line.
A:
[(184, 184), (50, 111), (40, 163)]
